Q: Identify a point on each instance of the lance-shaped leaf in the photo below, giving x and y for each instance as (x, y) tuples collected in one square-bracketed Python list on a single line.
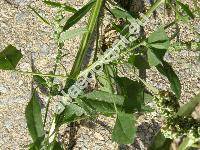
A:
[(124, 130), (158, 39), (103, 102), (189, 107), (166, 70), (78, 15), (59, 5), (186, 9), (9, 58), (42, 18), (34, 118)]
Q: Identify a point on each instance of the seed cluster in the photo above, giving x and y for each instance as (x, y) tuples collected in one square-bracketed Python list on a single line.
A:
[(174, 125)]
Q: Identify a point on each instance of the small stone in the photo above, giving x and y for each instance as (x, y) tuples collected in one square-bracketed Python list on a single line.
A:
[(3, 89)]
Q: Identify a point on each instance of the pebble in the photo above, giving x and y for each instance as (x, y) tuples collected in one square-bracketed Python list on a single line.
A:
[(3, 89)]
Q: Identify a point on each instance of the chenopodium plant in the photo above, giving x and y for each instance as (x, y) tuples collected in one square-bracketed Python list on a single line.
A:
[(115, 96)]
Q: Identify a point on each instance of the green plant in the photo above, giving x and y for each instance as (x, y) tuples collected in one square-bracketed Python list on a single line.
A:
[(115, 96)]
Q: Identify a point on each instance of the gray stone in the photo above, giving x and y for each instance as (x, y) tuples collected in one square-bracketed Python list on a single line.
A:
[(3, 89)]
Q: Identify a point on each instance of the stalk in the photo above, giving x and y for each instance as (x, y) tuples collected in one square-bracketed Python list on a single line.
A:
[(86, 38)]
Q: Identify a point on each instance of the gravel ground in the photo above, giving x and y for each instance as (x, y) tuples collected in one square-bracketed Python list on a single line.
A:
[(20, 27)]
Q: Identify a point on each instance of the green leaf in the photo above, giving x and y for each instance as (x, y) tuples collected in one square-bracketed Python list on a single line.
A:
[(105, 80), (9, 58), (71, 113), (42, 18), (34, 118), (189, 107), (124, 130), (139, 62), (56, 146), (71, 34), (186, 9), (40, 81), (166, 70), (121, 13), (59, 5), (160, 142), (152, 58), (186, 143), (104, 97), (158, 39), (103, 102), (37, 145), (78, 15), (133, 93)]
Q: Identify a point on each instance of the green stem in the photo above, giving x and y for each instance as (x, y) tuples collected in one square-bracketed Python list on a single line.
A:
[(154, 7), (40, 74), (86, 38)]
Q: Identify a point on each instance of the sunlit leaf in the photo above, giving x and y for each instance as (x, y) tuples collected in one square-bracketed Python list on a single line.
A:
[(68, 34), (159, 39)]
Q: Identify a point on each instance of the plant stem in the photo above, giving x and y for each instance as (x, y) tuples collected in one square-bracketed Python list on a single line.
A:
[(40, 74), (154, 7), (86, 38)]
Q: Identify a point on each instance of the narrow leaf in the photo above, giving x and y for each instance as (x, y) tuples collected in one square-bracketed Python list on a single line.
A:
[(71, 34), (34, 118), (189, 107), (166, 70), (9, 58), (78, 15), (186, 9), (42, 18), (59, 5), (124, 130)]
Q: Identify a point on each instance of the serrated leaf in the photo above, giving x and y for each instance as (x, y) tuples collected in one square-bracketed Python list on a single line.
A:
[(166, 70), (133, 93), (40, 81), (160, 142), (186, 9), (78, 15), (9, 58), (189, 107), (124, 130), (59, 5), (71, 34), (34, 118), (158, 39)]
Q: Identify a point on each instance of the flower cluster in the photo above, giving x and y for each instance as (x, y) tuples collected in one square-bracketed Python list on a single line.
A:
[(174, 125)]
